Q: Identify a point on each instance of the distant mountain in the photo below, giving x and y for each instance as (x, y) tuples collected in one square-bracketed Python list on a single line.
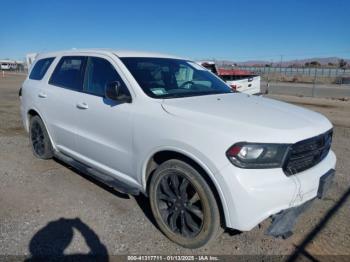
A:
[(321, 60)]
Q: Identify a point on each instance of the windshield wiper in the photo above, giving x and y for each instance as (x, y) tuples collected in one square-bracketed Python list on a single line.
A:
[(190, 94), (176, 95)]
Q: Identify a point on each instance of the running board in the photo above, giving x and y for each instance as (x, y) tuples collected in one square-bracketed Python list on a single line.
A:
[(104, 178)]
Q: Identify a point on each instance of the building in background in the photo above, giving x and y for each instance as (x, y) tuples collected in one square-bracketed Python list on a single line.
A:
[(12, 65)]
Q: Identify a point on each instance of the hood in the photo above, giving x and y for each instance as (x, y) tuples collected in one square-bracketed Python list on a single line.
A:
[(251, 118)]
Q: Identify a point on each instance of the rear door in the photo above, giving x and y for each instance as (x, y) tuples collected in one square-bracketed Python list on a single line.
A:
[(60, 97)]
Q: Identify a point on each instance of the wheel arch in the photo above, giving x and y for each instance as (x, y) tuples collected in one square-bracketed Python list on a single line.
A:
[(34, 112), (163, 155)]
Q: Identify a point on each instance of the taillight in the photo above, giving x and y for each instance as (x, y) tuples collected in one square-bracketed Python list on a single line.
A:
[(234, 87)]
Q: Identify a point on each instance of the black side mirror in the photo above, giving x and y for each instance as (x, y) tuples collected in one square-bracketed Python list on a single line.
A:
[(116, 91)]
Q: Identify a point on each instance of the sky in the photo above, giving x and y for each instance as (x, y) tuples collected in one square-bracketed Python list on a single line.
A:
[(196, 29)]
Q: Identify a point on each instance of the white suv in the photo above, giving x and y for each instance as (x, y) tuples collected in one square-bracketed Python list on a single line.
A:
[(166, 127)]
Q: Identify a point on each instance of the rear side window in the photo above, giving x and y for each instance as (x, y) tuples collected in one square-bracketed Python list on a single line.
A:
[(40, 68), (69, 73), (99, 72)]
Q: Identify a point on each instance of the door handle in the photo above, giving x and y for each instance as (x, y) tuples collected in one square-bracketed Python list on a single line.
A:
[(82, 105), (42, 95)]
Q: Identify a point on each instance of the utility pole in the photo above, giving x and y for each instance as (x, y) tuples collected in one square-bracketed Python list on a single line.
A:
[(314, 85), (281, 64)]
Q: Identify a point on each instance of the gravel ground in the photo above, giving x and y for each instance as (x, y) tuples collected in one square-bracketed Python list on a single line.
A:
[(47, 208)]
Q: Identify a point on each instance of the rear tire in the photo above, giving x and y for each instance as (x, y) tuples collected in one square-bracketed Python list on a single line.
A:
[(39, 138), (183, 205)]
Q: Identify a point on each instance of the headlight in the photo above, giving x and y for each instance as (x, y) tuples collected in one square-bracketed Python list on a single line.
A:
[(256, 155)]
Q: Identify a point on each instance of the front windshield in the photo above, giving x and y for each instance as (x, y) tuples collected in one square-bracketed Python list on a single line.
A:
[(171, 78)]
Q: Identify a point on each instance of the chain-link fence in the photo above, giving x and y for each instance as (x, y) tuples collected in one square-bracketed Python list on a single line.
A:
[(311, 75)]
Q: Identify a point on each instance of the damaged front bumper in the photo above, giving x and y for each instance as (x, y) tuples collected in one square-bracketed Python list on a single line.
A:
[(283, 222)]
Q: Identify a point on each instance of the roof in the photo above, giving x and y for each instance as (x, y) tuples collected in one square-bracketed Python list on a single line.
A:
[(119, 53)]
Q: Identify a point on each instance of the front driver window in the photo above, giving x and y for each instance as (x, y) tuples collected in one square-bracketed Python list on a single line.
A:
[(99, 73)]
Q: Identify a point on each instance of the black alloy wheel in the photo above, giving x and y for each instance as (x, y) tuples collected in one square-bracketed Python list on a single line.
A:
[(40, 140), (180, 205), (184, 205), (37, 136)]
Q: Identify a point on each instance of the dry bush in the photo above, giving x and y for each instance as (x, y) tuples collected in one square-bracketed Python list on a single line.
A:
[(277, 77)]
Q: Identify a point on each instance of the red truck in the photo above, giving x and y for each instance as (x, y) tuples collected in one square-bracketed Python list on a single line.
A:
[(239, 80)]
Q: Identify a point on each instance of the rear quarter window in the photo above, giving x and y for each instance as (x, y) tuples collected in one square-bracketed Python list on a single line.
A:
[(40, 68)]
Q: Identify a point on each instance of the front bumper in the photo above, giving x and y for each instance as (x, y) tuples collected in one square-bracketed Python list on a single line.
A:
[(283, 223), (251, 195)]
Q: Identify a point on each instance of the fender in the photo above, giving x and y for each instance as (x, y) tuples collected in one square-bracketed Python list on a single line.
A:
[(195, 159)]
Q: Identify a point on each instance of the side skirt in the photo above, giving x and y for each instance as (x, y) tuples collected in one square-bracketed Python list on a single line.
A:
[(102, 177)]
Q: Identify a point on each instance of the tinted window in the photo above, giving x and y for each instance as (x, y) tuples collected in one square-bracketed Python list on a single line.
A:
[(99, 72), (170, 78), (69, 72), (40, 68)]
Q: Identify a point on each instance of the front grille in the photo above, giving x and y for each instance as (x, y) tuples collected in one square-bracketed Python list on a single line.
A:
[(307, 153)]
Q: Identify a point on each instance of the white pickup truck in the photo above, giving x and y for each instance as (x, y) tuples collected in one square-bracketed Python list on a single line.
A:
[(5, 66), (239, 80)]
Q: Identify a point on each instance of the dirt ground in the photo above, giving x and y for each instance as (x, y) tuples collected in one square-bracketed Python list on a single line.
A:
[(47, 208)]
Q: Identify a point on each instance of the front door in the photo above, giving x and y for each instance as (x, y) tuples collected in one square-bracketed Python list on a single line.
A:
[(104, 134)]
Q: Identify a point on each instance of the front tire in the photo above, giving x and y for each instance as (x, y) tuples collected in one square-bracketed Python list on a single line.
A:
[(39, 138), (183, 205)]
